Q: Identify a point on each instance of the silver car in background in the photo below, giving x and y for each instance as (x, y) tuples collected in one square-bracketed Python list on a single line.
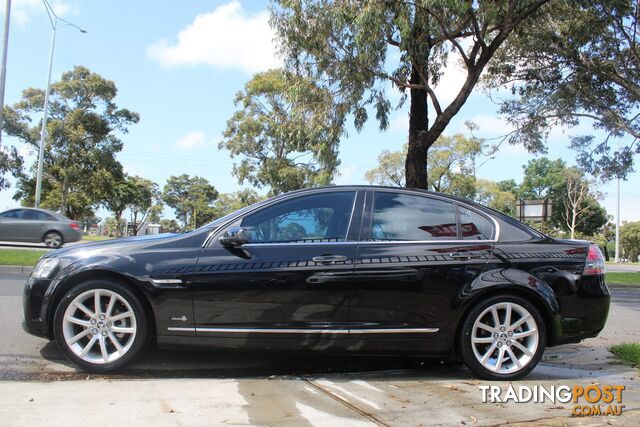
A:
[(38, 225)]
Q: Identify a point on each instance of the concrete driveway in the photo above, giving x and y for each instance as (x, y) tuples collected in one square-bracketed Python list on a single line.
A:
[(38, 387)]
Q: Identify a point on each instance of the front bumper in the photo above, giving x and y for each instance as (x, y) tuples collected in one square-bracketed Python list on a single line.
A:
[(35, 321)]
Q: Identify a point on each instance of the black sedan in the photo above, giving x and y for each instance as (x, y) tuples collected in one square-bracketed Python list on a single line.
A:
[(367, 270)]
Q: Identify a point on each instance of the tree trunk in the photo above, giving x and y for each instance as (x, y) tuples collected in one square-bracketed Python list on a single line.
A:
[(416, 162)]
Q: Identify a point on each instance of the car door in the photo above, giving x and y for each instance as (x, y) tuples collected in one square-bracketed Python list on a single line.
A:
[(416, 255), (10, 223), (290, 282), (34, 224)]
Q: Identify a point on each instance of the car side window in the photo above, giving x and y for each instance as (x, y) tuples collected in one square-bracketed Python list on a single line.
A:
[(474, 226), (37, 215), (398, 216), (314, 218), (12, 214)]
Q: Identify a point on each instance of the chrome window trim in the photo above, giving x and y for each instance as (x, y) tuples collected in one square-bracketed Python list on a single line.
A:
[(214, 233), (308, 331)]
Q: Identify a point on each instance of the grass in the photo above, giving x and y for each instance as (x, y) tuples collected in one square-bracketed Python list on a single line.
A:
[(627, 353), (618, 278), (26, 257), (95, 238)]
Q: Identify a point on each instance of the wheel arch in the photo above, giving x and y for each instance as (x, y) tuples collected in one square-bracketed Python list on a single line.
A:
[(548, 313), (83, 276)]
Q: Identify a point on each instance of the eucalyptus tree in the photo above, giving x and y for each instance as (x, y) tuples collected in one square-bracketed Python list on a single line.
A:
[(579, 62), (286, 131), (357, 48), (83, 137)]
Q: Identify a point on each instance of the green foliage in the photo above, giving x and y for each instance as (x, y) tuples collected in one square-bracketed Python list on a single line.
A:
[(356, 48), (551, 179), (10, 163), (542, 178), (170, 226), (191, 198), (286, 130), (114, 227), (630, 240), (493, 195), (145, 199), (450, 166), (390, 169), (230, 202), (79, 159), (577, 61)]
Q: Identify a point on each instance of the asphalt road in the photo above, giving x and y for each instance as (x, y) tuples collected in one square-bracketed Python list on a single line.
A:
[(174, 387)]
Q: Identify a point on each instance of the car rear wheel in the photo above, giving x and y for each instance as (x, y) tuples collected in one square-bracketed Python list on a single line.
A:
[(53, 239), (101, 325), (503, 338)]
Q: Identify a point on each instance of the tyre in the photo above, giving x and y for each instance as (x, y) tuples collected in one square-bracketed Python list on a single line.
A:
[(502, 338), (101, 325), (53, 239)]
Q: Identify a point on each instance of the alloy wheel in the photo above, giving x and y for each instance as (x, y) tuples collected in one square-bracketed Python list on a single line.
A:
[(53, 240), (505, 338), (99, 326)]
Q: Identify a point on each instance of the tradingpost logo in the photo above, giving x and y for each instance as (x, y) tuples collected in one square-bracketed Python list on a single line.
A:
[(592, 400)]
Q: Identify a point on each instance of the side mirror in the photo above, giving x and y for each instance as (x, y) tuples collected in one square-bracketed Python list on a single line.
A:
[(234, 237)]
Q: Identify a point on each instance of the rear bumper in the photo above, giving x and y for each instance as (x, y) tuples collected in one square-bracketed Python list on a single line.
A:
[(584, 314), (72, 235)]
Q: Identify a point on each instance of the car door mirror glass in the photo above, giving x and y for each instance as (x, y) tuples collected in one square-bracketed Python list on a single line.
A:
[(234, 237)]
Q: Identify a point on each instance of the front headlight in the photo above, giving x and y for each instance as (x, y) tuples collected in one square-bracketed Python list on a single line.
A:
[(44, 268)]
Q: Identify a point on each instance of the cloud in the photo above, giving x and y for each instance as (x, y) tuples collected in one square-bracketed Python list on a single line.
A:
[(23, 10), (192, 140), (226, 38)]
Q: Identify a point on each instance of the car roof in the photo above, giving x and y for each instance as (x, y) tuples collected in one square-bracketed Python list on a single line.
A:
[(26, 208), (385, 187)]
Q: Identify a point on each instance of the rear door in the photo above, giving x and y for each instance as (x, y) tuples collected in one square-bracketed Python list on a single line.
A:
[(290, 283), (34, 224), (417, 253)]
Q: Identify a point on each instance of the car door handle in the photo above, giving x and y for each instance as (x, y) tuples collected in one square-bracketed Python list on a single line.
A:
[(463, 255), (329, 259)]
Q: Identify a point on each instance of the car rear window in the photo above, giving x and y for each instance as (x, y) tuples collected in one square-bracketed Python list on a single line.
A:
[(37, 215), (475, 226), (399, 216)]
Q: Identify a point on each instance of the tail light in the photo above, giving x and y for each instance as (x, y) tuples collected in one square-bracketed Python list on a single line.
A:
[(595, 262), (75, 226)]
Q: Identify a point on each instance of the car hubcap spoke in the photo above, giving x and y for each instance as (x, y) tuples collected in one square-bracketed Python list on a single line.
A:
[(504, 337), (103, 333)]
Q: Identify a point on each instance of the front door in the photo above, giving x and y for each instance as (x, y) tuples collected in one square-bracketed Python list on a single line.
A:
[(289, 283), (9, 225), (417, 254)]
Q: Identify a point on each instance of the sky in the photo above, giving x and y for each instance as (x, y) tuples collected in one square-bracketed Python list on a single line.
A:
[(180, 63)]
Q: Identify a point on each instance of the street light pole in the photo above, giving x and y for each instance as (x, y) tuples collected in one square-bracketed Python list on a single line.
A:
[(617, 259), (3, 67), (43, 133)]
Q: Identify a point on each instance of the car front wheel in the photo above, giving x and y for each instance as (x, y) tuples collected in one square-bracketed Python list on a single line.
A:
[(101, 325), (502, 338)]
